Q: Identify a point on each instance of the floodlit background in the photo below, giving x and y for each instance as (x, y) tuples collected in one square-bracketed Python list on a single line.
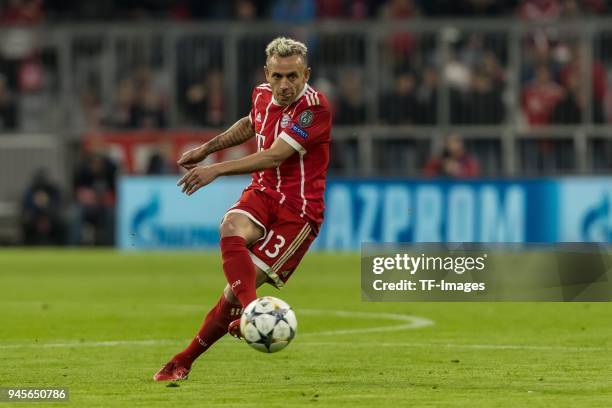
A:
[(472, 89)]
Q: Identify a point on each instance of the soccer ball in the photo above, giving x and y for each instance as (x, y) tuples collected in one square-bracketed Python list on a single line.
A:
[(268, 324)]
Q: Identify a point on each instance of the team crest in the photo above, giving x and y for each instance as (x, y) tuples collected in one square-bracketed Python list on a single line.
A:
[(285, 120), (306, 118)]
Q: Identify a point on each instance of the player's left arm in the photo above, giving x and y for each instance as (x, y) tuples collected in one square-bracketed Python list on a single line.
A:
[(201, 176)]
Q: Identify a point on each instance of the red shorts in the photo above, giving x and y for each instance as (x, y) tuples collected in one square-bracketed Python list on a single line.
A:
[(287, 236)]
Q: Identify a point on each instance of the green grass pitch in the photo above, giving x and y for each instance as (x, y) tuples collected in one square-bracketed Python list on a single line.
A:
[(102, 322)]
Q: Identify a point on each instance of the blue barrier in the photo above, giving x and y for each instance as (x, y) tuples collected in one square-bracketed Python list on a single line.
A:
[(152, 213)]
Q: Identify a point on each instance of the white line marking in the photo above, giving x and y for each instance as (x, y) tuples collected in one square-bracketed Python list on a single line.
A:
[(461, 346), (410, 322), (76, 343), (343, 344)]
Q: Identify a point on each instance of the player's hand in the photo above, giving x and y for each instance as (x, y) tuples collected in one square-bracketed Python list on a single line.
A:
[(197, 178), (191, 158)]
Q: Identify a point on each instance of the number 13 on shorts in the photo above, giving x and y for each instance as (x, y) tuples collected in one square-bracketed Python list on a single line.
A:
[(273, 246)]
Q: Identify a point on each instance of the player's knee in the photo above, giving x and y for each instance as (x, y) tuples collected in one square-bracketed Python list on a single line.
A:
[(230, 228), (238, 225)]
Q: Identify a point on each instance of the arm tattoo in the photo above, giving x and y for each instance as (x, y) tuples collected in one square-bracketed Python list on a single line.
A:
[(240, 132)]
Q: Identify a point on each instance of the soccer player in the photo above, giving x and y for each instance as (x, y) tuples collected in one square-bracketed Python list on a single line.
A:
[(265, 234)]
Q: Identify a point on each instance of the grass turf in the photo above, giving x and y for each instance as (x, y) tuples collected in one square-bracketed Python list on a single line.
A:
[(102, 322)]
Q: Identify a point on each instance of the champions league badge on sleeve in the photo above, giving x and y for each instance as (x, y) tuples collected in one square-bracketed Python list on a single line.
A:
[(306, 118), (299, 131)]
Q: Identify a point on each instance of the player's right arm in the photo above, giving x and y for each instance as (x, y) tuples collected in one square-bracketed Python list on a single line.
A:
[(240, 132)]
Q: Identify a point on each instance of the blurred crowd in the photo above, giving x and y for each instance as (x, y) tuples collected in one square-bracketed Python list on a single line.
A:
[(84, 212), (82, 215), (474, 67), (476, 75), (429, 77), (34, 11)]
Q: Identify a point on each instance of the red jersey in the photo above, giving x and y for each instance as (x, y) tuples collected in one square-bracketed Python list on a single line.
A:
[(299, 182)]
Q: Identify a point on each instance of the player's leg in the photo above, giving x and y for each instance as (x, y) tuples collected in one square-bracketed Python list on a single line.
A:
[(215, 326), (242, 226), (279, 254), (238, 232), (216, 322)]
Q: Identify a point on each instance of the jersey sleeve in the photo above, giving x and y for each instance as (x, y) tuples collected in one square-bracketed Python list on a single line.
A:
[(308, 126), (252, 112)]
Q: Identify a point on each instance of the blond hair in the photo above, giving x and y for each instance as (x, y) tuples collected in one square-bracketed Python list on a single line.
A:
[(286, 47)]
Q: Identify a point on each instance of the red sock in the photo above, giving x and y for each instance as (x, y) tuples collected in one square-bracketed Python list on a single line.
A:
[(239, 269), (214, 327)]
